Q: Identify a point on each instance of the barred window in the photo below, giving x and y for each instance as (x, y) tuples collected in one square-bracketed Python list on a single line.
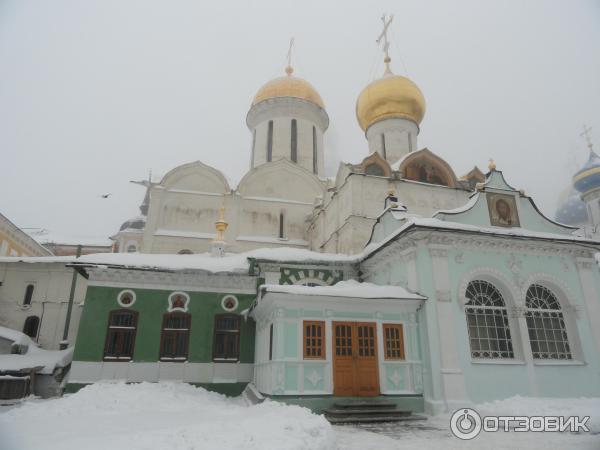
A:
[(546, 324), (175, 336), (393, 337), (487, 322), (120, 337), (314, 340), (226, 343)]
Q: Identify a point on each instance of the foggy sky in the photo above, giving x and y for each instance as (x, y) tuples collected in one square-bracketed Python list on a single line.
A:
[(96, 93)]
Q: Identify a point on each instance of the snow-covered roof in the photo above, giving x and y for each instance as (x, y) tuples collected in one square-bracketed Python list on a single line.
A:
[(349, 288), (231, 262), (447, 225), (44, 236), (35, 356)]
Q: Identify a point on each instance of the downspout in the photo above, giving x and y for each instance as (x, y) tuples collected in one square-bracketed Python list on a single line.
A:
[(64, 343)]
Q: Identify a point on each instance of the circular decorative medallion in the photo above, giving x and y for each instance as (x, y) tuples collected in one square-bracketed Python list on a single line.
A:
[(126, 298), (229, 303)]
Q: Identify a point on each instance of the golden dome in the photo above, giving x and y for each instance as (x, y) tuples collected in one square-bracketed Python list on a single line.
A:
[(288, 86), (392, 96)]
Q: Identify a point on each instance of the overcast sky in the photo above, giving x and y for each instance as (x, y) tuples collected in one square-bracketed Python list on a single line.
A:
[(96, 93)]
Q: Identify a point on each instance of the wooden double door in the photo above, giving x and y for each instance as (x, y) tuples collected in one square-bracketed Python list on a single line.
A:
[(355, 362)]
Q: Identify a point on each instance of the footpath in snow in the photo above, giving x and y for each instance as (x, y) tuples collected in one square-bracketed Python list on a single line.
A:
[(177, 416)]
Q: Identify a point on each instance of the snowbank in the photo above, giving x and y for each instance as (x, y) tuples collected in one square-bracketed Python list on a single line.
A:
[(160, 416), (35, 356)]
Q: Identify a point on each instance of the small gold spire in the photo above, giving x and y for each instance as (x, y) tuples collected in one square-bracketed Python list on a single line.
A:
[(492, 165), (289, 69), (221, 225)]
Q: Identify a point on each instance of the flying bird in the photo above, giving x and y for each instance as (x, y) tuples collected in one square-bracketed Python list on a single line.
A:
[(105, 195)]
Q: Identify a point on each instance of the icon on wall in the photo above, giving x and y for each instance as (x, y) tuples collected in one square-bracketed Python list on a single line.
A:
[(503, 210)]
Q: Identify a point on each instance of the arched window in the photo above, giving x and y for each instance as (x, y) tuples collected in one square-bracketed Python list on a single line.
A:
[(131, 248), (315, 162), (28, 295), (175, 336), (120, 336), (185, 251), (294, 142), (226, 342), (546, 324), (30, 328), (487, 322), (270, 142)]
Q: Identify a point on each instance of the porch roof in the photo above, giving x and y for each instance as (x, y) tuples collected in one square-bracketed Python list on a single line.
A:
[(349, 288)]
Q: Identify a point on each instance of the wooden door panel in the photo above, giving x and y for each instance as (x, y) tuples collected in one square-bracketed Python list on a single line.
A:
[(343, 366), (355, 364)]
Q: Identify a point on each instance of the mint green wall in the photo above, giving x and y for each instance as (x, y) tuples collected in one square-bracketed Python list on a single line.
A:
[(151, 305), (515, 379)]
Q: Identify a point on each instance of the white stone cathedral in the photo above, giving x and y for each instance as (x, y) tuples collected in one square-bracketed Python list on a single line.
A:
[(285, 199)]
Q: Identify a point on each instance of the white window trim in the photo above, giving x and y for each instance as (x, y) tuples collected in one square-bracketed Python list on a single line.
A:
[(126, 291)]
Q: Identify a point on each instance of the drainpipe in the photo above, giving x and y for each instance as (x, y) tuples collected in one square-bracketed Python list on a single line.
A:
[(64, 343)]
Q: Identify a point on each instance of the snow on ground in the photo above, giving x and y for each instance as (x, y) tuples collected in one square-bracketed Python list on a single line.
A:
[(159, 416), (177, 416), (35, 356)]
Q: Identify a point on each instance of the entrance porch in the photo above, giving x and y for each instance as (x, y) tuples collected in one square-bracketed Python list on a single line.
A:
[(318, 345)]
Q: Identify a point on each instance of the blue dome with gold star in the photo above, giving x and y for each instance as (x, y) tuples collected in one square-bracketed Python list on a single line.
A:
[(588, 178), (573, 211)]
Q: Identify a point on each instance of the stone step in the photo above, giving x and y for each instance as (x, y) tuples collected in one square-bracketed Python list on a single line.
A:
[(373, 419), (364, 404), (376, 411)]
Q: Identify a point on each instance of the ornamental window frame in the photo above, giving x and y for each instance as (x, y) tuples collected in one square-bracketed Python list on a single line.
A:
[(120, 330), (174, 334), (171, 302), (122, 294), (226, 299)]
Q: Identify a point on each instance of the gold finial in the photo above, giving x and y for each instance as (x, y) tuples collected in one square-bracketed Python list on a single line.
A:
[(386, 43), (586, 136), (492, 165), (289, 70), (221, 225)]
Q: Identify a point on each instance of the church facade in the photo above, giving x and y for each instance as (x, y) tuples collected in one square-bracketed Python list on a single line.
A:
[(395, 279)]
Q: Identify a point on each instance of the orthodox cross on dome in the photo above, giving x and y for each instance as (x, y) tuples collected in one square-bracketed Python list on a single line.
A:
[(386, 42), (148, 184), (586, 135), (289, 69)]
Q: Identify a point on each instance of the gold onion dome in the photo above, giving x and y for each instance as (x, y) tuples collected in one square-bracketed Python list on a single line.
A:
[(288, 86), (392, 96)]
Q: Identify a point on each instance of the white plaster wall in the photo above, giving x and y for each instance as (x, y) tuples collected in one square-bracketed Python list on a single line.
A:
[(281, 111), (52, 283), (351, 212), (400, 138)]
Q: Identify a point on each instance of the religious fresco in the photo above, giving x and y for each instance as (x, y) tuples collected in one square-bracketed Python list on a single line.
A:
[(503, 210), (425, 172)]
